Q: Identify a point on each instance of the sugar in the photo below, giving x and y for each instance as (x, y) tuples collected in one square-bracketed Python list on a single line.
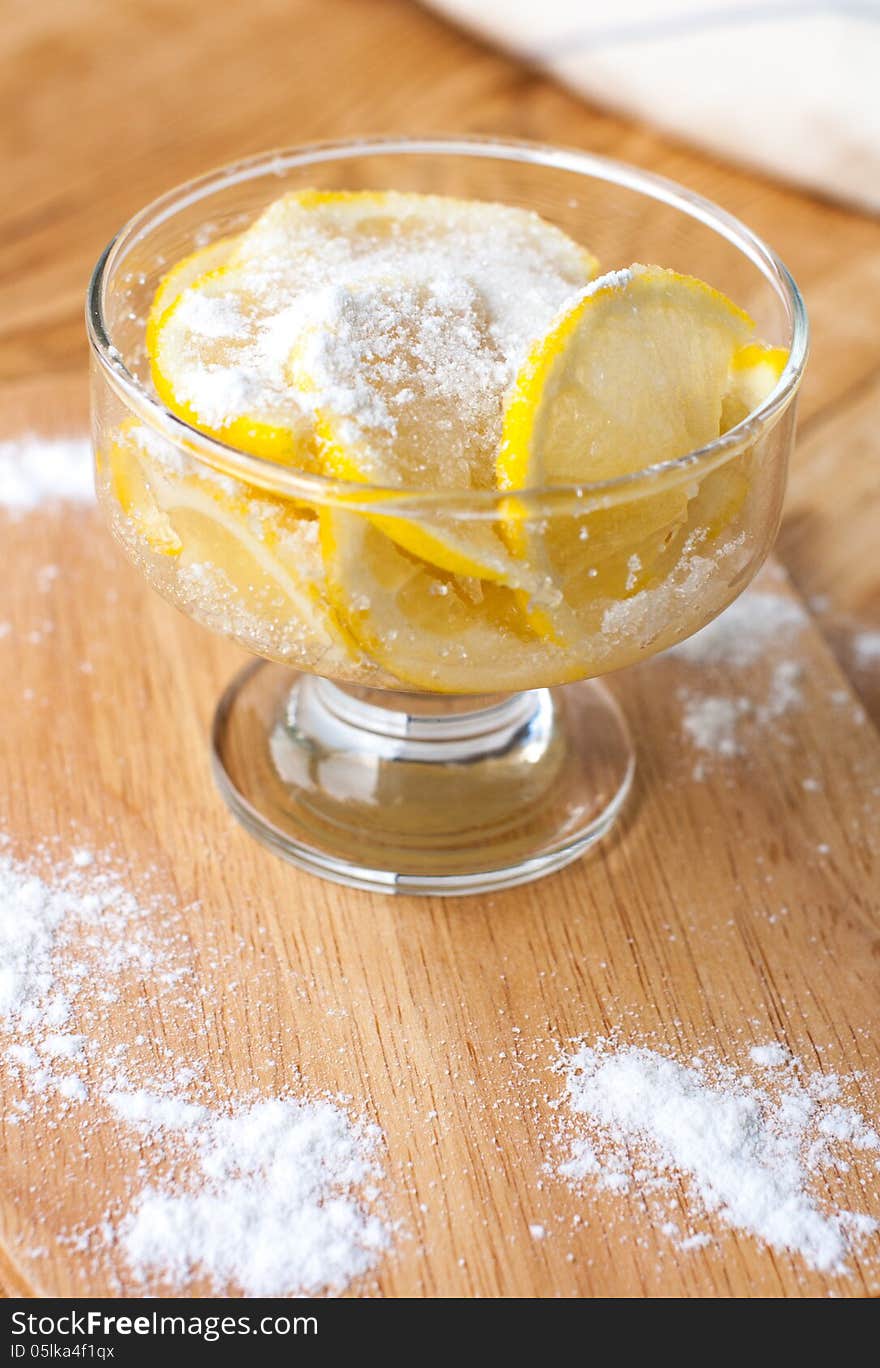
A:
[(582, 1162), (46, 577), (746, 1155), (784, 692), (844, 1123), (753, 624), (23, 1054), (745, 637), (36, 471), (30, 912), (769, 1056), (211, 317), (866, 649), (711, 722), (270, 1196), (695, 1242), (77, 901), (398, 361), (398, 336), (58, 1046), (280, 1204), (73, 1089), (697, 578), (152, 1113)]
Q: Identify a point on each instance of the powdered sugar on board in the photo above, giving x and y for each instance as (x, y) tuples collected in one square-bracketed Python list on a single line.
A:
[(746, 674), (744, 633), (866, 649), (39, 471), (83, 905), (274, 1195), (277, 1203), (282, 1190), (751, 1147)]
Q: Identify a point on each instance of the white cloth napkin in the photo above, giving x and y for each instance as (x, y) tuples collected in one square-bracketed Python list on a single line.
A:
[(787, 86)]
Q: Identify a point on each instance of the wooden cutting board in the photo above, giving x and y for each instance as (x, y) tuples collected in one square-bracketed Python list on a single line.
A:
[(733, 909), (403, 1003)]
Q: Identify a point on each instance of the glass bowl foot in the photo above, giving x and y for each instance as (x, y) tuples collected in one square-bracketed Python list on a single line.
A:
[(420, 793)]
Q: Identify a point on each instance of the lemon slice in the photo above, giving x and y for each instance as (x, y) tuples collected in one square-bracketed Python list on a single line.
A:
[(632, 374), (469, 548), (184, 272), (755, 371), (263, 552), (370, 335), (406, 418), (305, 228), (405, 345), (133, 481), (169, 336), (218, 338), (201, 347), (405, 359), (428, 629)]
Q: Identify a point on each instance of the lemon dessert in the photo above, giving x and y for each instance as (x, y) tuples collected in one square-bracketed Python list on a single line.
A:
[(478, 433)]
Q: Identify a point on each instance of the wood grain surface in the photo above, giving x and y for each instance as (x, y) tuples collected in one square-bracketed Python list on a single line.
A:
[(414, 1007)]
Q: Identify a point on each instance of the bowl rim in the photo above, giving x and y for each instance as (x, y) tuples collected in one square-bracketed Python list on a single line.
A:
[(320, 489)]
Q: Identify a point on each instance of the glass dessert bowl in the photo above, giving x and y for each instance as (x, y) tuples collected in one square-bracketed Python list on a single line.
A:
[(426, 716)]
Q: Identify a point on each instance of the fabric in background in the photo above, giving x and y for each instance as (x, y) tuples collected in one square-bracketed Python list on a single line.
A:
[(791, 87)]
